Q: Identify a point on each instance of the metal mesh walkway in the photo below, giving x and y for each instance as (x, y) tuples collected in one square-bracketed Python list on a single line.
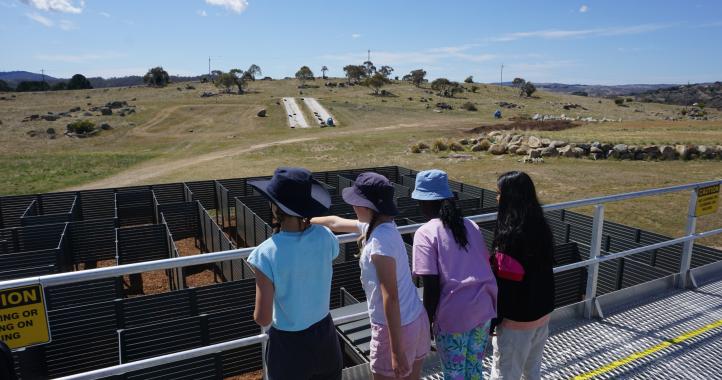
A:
[(676, 335)]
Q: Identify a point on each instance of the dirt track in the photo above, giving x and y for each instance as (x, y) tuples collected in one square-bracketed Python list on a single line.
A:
[(144, 172)]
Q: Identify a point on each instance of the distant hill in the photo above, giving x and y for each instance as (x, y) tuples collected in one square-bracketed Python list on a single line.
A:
[(599, 90), (709, 94), (15, 77)]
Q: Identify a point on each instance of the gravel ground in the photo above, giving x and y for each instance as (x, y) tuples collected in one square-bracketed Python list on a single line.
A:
[(295, 115)]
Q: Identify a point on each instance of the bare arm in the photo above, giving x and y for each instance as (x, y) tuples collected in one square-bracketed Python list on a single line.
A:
[(386, 273), (263, 314), (337, 224)]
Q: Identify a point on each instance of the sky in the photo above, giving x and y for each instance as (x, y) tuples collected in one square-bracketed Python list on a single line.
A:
[(589, 42)]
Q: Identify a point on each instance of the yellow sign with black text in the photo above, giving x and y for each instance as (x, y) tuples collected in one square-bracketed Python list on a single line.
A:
[(23, 317), (707, 200)]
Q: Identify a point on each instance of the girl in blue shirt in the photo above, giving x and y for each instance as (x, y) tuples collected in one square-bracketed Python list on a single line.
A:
[(293, 280)]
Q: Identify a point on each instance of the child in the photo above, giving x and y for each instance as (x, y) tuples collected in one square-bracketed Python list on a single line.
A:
[(523, 262), (293, 280), (400, 337), (459, 286)]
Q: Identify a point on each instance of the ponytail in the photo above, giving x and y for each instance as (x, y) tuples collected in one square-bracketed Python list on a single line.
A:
[(362, 240), (452, 219)]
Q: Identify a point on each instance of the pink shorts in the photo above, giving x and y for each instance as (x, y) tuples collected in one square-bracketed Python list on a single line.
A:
[(415, 342)]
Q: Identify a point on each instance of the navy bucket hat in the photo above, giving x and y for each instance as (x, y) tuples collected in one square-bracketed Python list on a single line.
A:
[(432, 185), (374, 191), (295, 192)]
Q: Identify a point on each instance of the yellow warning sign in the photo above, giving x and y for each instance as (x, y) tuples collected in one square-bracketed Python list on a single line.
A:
[(707, 200), (23, 317)]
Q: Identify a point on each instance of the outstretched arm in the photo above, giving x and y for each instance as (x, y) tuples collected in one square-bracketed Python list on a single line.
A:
[(337, 224)]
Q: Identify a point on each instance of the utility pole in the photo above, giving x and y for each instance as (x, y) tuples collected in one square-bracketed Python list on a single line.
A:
[(209, 67), (42, 71), (501, 76)]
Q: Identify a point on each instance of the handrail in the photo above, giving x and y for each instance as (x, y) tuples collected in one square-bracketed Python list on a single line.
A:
[(237, 254)]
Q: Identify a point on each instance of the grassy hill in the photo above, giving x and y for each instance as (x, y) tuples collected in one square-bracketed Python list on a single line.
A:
[(175, 134)]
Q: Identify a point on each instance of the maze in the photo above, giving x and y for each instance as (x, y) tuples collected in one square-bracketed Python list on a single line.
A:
[(105, 322)]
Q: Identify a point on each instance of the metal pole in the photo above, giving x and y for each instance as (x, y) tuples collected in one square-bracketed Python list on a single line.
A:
[(264, 343), (686, 279), (590, 299)]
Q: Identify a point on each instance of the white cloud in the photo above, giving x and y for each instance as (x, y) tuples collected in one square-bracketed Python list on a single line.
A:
[(202, 13), (63, 6), (67, 25), (236, 6), (584, 8), (580, 33), (355, 35), (40, 19), (76, 58), (104, 14)]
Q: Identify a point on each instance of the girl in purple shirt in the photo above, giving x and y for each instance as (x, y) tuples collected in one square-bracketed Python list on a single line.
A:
[(459, 287)]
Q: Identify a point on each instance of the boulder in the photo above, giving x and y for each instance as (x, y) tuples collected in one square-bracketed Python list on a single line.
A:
[(621, 152), (49, 117), (579, 152), (87, 114), (569, 151), (505, 140), (606, 147), (595, 150), (534, 142), (535, 153), (485, 144), (464, 141), (261, 113), (106, 111), (546, 142), (683, 152), (477, 148), (512, 148), (557, 144), (456, 147), (706, 152), (596, 155), (74, 109), (444, 106), (105, 127), (667, 152), (497, 149), (652, 151), (523, 150), (516, 139), (549, 152)]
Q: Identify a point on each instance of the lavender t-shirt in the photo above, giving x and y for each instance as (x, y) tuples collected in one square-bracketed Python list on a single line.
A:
[(468, 286)]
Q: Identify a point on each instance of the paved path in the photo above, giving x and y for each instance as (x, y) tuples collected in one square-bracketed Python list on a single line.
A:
[(294, 113), (320, 115)]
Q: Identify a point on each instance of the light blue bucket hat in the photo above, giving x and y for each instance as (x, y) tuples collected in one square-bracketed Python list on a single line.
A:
[(432, 185)]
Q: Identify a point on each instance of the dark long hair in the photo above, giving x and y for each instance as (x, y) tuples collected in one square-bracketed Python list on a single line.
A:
[(450, 216), (363, 239), (521, 229)]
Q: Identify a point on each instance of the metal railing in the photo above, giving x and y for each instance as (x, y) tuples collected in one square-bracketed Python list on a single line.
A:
[(590, 306)]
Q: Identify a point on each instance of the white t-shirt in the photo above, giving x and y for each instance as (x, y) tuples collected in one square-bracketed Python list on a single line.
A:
[(385, 240)]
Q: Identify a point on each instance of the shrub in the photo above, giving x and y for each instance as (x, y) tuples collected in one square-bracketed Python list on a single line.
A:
[(415, 148), (81, 127), (619, 101), (630, 100), (50, 131), (469, 106), (456, 147), (439, 146)]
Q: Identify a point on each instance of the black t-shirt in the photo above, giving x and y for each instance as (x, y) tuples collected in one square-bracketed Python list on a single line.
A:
[(529, 299)]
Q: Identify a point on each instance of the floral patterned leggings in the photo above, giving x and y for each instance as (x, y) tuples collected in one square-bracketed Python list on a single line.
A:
[(462, 354)]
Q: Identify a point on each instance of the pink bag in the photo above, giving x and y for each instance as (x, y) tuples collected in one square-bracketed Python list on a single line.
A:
[(507, 267)]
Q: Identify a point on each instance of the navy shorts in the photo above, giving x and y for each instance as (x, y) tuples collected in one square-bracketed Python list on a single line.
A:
[(310, 354)]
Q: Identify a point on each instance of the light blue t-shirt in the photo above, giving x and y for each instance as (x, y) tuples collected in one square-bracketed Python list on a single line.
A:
[(300, 265)]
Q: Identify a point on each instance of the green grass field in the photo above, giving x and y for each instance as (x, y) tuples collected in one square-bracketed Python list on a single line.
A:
[(179, 136)]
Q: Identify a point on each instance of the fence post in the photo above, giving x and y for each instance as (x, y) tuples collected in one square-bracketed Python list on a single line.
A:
[(685, 276), (591, 307)]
